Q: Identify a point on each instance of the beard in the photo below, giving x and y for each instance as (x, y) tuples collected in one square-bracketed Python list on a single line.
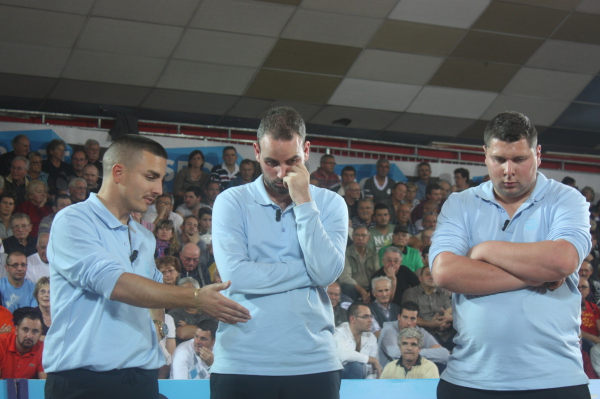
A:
[(273, 185)]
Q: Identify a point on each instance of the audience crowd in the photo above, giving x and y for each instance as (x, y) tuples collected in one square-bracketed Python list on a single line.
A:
[(391, 319)]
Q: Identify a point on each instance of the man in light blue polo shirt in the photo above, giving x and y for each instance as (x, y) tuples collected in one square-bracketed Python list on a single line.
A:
[(509, 251), (103, 342)]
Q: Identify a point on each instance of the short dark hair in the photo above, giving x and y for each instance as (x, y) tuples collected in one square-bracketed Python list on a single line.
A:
[(204, 211), (126, 149), (192, 155), (194, 189), (410, 306), (168, 260), (8, 195), (510, 127), (349, 168), (210, 325), (189, 217), (62, 197), (568, 180), (52, 145), (379, 206), (353, 308), (229, 147), (423, 164), (247, 162), (18, 138), (463, 172), (430, 187), (281, 123), (26, 313), (14, 253)]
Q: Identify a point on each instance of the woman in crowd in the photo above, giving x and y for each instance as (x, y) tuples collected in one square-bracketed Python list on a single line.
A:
[(54, 165), (170, 267), (42, 295), (36, 206), (35, 167), (192, 175), (166, 239)]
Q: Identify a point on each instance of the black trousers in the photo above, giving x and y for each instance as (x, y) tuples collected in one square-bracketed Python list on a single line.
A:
[(309, 386), (130, 383), (446, 390)]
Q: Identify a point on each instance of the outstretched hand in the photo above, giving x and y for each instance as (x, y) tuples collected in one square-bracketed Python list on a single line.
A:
[(221, 308), (297, 181)]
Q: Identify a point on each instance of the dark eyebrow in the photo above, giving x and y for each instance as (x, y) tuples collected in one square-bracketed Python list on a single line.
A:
[(294, 158), (153, 173)]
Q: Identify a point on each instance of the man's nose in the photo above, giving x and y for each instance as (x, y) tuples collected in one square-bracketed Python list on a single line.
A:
[(283, 171)]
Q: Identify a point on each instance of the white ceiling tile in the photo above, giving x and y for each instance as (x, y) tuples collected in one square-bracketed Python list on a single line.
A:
[(187, 101), (360, 118), (28, 59), (567, 56), (457, 103), (170, 12), (99, 93), (21, 25), (249, 107), (376, 95), (129, 37), (113, 68), (542, 83), (326, 27), (69, 6), (255, 18), (224, 48), (541, 111), (211, 78), (590, 6), (388, 66), (372, 8), (430, 124), (455, 13)]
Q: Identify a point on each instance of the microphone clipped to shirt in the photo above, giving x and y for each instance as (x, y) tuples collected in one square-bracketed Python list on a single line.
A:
[(506, 222), (133, 256), (278, 215)]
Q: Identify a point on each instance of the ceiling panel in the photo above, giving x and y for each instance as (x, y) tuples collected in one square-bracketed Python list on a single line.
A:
[(68, 6), (376, 95), (561, 4), (168, 12), (25, 86), (540, 111), (187, 101), (360, 118), (99, 93), (580, 27), (431, 125), (567, 56), (542, 83), (293, 86), (494, 47), (473, 75), (33, 60), (589, 6), (455, 13), (249, 107), (376, 8), (469, 104), (591, 94)]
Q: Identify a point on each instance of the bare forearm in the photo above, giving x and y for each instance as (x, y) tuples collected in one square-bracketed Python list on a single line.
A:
[(185, 332), (463, 275), (595, 339), (545, 261)]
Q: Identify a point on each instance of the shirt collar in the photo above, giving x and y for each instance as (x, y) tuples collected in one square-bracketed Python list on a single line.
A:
[(12, 347), (485, 191), (103, 213), (418, 363), (261, 196)]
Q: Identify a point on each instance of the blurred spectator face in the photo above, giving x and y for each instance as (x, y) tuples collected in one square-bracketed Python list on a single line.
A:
[(461, 182), (348, 176), (383, 169), (411, 194), (190, 226), (190, 199), (164, 233), (426, 278), (78, 191), (424, 172), (43, 296), (18, 170), (35, 164), (7, 206), (28, 334), (409, 349), (584, 289), (392, 260), (429, 221), (328, 164), (334, 292), (229, 157), (166, 202), (400, 239), (62, 203), (403, 213), (203, 339), (21, 228), (78, 161), (205, 224), (399, 192), (197, 161), (365, 211), (93, 153), (382, 217), (408, 318), (363, 320), (90, 174), (38, 194), (426, 237), (57, 153), (247, 171), (360, 237), (213, 190), (445, 189), (588, 194), (430, 206), (190, 256), (586, 270), (353, 190), (435, 195), (16, 267), (170, 275), (21, 148), (381, 291)]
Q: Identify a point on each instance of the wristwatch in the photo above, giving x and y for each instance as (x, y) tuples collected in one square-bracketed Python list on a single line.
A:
[(162, 328)]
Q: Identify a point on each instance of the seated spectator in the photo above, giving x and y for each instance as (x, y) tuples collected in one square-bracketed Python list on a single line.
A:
[(348, 176), (166, 239), (189, 230), (190, 259), (325, 176), (7, 206), (461, 180), (61, 201), (139, 217), (36, 204), (379, 187), (446, 190), (397, 199), (411, 195), (166, 333), (433, 193), (388, 338), (91, 175), (186, 319), (170, 267), (365, 214), (410, 364), (163, 210), (356, 345), (424, 173), (585, 272), (402, 277), (42, 295), (92, 152), (191, 202), (351, 197), (435, 307), (360, 264), (403, 219), (205, 225), (227, 171), (15, 291), (246, 175), (54, 164), (20, 240), (21, 351), (411, 258), (429, 219), (213, 189), (382, 309), (78, 190), (426, 236), (590, 314), (569, 181), (20, 144), (78, 162), (6, 321), (16, 182), (191, 176), (381, 234), (37, 264), (192, 359), (35, 167), (334, 291)]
